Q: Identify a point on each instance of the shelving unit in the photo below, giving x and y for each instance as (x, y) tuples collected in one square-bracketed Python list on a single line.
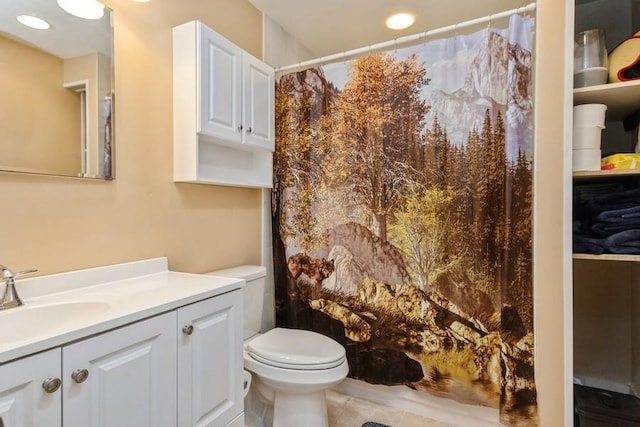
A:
[(608, 257), (606, 174), (606, 328), (621, 99)]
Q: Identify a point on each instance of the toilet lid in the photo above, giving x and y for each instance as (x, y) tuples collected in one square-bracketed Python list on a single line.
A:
[(296, 349)]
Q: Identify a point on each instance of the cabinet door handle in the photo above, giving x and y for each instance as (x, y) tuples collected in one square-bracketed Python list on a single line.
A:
[(50, 385), (240, 128), (79, 375), (187, 330), (249, 130)]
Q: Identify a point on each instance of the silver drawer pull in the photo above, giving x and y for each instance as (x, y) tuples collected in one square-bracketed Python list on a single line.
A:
[(50, 385), (79, 375)]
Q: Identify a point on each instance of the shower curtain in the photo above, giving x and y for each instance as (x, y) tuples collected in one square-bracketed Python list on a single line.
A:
[(402, 215)]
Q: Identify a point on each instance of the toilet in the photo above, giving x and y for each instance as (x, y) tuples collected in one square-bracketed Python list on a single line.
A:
[(290, 368)]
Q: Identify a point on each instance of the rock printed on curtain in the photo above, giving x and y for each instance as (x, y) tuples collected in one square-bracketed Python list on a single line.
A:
[(402, 216)]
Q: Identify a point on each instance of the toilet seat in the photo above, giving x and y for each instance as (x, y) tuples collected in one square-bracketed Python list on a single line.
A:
[(296, 349)]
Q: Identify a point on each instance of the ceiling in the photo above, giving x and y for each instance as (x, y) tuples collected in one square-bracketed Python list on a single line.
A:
[(326, 27), (68, 37)]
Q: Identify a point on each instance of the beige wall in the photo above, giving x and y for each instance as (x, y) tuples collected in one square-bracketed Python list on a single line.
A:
[(62, 224), (31, 136)]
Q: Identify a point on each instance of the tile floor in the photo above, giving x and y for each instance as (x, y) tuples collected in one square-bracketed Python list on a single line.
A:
[(348, 411)]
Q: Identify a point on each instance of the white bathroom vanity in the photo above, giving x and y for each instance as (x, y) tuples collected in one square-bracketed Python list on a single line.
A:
[(127, 345)]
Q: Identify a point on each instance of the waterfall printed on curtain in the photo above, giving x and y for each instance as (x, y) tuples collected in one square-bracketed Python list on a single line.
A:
[(402, 215)]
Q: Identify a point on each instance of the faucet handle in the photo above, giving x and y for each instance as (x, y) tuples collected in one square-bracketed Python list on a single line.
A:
[(8, 275), (24, 272)]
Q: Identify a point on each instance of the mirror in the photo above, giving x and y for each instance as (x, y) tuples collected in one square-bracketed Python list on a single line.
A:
[(56, 92)]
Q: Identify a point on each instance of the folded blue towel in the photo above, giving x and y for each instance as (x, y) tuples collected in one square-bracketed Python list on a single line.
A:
[(613, 201), (625, 242), (619, 215), (606, 229), (587, 245), (617, 196)]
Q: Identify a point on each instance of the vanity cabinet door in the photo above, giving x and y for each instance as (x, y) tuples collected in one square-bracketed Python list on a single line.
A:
[(24, 402), (123, 378), (258, 103), (220, 86), (210, 361)]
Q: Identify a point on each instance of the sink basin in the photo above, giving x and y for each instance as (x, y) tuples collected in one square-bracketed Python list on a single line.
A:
[(37, 319)]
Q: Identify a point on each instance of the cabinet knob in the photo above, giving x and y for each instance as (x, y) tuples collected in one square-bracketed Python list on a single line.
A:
[(187, 330), (240, 128), (51, 385), (249, 130), (79, 375)]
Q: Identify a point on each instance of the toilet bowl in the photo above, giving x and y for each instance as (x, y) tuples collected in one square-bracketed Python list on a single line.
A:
[(291, 368)]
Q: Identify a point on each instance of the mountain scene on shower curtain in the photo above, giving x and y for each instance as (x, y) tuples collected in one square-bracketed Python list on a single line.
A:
[(402, 220)]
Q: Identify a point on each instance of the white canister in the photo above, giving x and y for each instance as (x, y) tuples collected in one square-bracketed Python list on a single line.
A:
[(586, 159), (589, 115), (587, 137)]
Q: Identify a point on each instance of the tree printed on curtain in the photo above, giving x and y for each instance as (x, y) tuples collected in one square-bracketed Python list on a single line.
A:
[(402, 215)]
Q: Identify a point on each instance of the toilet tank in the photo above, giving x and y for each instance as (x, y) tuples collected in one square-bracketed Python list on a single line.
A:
[(253, 294)]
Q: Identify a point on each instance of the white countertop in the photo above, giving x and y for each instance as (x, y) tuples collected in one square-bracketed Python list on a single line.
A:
[(61, 308)]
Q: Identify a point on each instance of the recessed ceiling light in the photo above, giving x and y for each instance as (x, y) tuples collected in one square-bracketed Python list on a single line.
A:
[(33, 22), (400, 21), (86, 9)]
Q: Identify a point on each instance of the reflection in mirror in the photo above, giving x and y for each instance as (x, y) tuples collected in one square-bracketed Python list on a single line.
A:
[(56, 92)]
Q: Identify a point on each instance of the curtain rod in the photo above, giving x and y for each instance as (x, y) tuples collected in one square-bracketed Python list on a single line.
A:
[(405, 39)]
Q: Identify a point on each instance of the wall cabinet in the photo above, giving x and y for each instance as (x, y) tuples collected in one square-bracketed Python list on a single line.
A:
[(223, 110), (182, 368), (236, 91)]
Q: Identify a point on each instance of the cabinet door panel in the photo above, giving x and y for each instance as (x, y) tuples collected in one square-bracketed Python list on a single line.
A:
[(258, 103), (210, 362), (23, 401), (132, 377), (220, 110)]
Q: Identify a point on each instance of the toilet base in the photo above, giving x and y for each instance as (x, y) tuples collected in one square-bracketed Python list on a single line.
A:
[(294, 410)]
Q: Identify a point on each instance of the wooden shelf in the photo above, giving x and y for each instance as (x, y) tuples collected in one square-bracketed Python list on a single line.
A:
[(608, 257), (607, 173), (621, 98)]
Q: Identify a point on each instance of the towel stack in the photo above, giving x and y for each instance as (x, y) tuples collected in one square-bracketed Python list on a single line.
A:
[(606, 221)]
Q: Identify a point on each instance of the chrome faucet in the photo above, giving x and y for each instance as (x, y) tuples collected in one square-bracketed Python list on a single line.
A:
[(10, 298)]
